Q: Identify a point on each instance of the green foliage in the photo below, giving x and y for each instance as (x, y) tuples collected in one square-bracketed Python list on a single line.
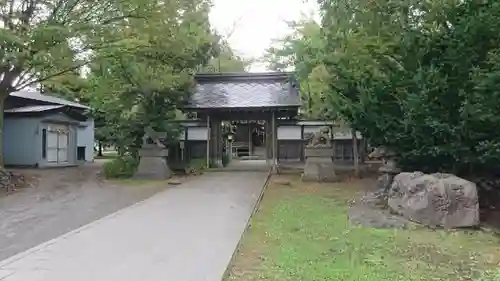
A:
[(226, 159), (142, 87), (144, 81), (43, 40), (225, 59), (304, 233), (493, 275), (139, 56), (197, 166), (121, 167), (418, 77), (302, 50)]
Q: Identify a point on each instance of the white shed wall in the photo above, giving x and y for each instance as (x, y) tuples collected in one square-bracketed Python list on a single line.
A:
[(86, 138)]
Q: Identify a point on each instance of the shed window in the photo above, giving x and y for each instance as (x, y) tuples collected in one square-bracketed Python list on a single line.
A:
[(44, 143)]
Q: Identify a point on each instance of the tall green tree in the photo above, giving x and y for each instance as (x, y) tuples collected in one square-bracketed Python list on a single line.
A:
[(302, 51), (43, 39), (226, 60), (143, 87), (416, 76)]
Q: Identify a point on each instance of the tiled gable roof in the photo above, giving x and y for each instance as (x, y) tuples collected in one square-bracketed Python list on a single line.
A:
[(244, 90)]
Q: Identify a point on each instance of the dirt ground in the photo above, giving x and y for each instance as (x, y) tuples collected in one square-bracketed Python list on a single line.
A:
[(61, 200)]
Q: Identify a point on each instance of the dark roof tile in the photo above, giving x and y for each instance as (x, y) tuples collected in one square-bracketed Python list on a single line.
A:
[(34, 108), (36, 95), (244, 90)]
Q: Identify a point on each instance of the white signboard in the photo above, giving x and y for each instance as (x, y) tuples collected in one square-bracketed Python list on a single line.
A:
[(345, 135), (289, 133), (197, 133)]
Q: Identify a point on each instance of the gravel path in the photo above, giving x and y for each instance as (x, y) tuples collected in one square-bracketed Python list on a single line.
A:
[(63, 200)]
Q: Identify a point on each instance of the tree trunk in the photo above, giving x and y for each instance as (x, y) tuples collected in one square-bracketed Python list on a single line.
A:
[(362, 151), (355, 153), (121, 150), (99, 151), (2, 105)]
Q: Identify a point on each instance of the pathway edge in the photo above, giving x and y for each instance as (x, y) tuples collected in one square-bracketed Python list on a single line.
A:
[(247, 225)]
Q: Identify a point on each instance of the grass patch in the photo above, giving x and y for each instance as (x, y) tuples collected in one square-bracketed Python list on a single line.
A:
[(107, 154), (301, 232), (120, 168)]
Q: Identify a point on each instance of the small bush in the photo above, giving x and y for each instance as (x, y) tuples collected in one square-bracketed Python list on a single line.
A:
[(121, 167), (490, 276), (226, 158), (196, 166)]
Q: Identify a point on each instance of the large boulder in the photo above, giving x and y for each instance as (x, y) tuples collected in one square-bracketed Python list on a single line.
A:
[(435, 199)]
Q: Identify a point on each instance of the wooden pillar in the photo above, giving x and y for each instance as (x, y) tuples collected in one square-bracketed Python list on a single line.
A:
[(249, 138), (215, 150), (302, 144), (209, 134), (269, 142), (274, 129)]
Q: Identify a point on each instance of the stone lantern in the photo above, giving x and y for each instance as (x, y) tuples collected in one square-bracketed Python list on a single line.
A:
[(319, 158), (389, 168), (153, 158)]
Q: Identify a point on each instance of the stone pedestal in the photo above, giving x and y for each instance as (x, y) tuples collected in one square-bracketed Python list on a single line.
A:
[(153, 164), (319, 164), (390, 167), (388, 171)]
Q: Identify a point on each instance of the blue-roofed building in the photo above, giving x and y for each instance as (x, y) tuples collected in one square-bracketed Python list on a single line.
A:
[(46, 131)]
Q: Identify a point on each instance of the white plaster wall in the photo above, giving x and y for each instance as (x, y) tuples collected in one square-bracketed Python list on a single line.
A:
[(289, 133), (85, 137), (345, 135), (21, 141), (312, 129)]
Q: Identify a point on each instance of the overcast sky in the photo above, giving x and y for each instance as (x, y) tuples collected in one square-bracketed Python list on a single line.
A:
[(256, 22)]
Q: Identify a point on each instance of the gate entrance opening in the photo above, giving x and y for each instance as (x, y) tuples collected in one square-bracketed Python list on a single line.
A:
[(240, 111)]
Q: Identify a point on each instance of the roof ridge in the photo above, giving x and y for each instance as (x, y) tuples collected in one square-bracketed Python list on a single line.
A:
[(231, 76), (38, 96)]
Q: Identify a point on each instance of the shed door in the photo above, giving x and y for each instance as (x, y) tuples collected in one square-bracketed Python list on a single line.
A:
[(57, 143)]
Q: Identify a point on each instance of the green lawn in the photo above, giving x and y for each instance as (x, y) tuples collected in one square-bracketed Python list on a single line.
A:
[(301, 232), (107, 154)]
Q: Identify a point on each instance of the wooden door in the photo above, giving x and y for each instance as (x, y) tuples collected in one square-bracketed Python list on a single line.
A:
[(57, 143)]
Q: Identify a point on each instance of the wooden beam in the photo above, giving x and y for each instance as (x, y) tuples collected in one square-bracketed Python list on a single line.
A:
[(208, 141)]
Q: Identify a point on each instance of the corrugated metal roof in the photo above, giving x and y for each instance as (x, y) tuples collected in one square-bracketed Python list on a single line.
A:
[(34, 108), (35, 95), (244, 90)]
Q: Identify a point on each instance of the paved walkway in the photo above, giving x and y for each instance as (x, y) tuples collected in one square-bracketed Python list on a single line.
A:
[(61, 200), (186, 233)]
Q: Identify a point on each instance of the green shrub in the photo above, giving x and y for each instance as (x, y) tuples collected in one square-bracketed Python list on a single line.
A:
[(196, 166), (121, 167), (226, 158), (490, 276)]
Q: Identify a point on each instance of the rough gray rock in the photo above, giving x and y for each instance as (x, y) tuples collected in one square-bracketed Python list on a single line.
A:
[(384, 183), (5, 180), (435, 199), (371, 211)]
